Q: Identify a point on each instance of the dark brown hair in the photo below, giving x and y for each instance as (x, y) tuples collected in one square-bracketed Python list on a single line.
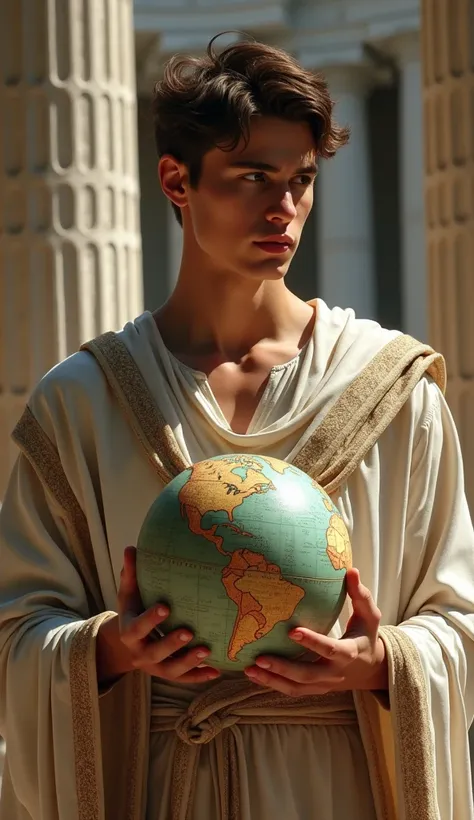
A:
[(209, 101)]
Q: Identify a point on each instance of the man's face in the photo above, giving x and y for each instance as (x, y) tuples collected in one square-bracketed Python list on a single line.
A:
[(248, 210)]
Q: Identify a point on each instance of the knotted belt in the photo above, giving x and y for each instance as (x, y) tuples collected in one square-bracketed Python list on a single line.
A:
[(215, 716)]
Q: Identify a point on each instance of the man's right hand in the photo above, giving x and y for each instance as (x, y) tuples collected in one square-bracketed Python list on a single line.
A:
[(125, 643)]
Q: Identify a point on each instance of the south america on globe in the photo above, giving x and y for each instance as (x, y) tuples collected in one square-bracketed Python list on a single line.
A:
[(242, 548)]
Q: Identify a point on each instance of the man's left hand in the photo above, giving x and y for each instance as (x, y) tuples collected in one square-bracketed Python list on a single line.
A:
[(355, 661)]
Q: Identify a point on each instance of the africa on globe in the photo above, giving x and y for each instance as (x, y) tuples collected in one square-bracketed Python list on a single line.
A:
[(243, 548)]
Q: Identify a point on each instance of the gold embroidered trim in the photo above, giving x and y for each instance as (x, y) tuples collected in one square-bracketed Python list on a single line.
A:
[(140, 729), (138, 404), (365, 409), (44, 458), (86, 719), (411, 714)]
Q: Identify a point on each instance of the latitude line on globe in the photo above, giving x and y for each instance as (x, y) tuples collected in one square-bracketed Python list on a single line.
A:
[(207, 564)]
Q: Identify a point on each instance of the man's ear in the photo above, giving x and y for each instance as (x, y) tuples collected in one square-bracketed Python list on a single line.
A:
[(173, 176)]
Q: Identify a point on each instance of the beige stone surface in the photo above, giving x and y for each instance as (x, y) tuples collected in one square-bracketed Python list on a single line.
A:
[(70, 244), (448, 76)]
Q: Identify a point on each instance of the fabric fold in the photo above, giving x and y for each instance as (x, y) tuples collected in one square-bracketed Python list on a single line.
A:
[(52, 633), (403, 772)]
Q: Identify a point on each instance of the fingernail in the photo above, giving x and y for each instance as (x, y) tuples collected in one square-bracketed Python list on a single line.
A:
[(185, 636), (203, 653), (252, 673), (162, 611), (296, 636), (213, 675), (263, 663)]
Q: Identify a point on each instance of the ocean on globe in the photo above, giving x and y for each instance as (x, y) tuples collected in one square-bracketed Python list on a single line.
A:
[(242, 548)]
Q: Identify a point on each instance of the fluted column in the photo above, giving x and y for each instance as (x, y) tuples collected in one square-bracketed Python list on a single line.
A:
[(448, 57), (345, 218), (70, 250), (406, 49)]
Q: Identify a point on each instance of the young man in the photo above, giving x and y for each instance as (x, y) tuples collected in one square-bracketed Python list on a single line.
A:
[(100, 720)]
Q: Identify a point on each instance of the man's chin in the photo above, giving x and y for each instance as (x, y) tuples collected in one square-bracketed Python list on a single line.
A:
[(270, 270)]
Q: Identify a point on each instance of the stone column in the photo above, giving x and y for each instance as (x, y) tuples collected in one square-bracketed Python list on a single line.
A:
[(70, 248), (406, 49), (448, 76), (345, 240)]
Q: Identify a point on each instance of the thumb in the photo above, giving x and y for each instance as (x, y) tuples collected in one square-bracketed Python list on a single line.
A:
[(363, 603), (128, 595)]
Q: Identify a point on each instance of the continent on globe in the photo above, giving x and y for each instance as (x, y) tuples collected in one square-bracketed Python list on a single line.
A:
[(339, 547), (262, 596), (229, 491)]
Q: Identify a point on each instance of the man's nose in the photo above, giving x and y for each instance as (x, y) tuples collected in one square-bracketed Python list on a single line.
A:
[(283, 209)]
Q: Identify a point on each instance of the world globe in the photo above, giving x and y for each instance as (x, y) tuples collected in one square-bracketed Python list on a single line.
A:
[(242, 548)]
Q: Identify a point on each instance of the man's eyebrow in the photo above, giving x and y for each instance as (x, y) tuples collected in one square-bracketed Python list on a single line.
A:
[(256, 165)]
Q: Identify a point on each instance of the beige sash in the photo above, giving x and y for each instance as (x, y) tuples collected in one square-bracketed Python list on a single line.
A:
[(216, 715)]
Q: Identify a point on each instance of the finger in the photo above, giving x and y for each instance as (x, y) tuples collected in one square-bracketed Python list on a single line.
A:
[(169, 661), (300, 672), (198, 675), (177, 668), (337, 650), (157, 651), (284, 685), (137, 628), (362, 601), (128, 596), (129, 571)]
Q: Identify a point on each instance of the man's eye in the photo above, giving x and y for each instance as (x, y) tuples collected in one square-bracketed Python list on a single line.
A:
[(304, 179), (258, 176)]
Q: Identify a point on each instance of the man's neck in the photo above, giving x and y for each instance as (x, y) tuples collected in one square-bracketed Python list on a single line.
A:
[(224, 318)]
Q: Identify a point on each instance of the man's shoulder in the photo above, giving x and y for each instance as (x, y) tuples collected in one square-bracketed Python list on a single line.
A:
[(350, 330), (79, 371), (74, 385), (366, 347), (79, 390), (426, 401), (424, 406)]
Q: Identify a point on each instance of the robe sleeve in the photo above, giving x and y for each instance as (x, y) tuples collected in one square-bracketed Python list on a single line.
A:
[(45, 628), (438, 614)]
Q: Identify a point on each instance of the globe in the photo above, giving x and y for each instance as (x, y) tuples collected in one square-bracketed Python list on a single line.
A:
[(242, 548)]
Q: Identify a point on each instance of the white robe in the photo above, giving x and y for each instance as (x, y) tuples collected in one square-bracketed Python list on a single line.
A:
[(412, 541)]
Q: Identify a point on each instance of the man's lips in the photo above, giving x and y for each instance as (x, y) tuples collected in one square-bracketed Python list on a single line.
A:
[(275, 244)]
